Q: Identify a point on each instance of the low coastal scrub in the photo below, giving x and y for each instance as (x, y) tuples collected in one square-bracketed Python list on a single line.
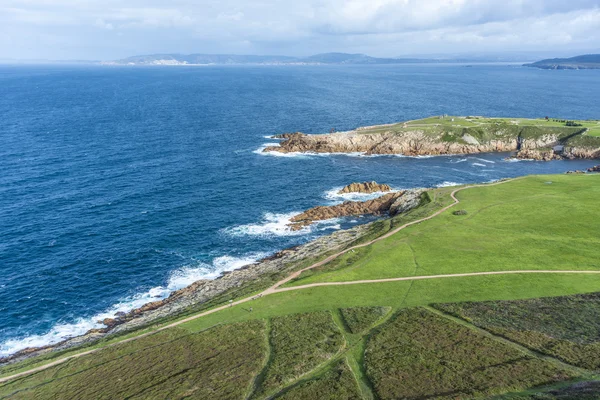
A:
[(299, 343), (422, 355), (335, 384), (359, 319), (577, 391), (567, 327), (215, 364)]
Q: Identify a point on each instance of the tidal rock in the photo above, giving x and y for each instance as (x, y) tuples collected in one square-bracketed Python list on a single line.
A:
[(380, 205), (575, 172), (365, 187), (538, 155), (594, 169)]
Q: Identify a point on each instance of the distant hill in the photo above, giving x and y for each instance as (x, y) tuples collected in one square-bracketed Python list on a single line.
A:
[(588, 61), (224, 59)]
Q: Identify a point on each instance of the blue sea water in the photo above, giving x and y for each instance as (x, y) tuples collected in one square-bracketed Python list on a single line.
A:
[(120, 185)]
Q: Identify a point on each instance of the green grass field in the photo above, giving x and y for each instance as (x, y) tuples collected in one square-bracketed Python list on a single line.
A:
[(453, 127), (313, 340), (536, 223)]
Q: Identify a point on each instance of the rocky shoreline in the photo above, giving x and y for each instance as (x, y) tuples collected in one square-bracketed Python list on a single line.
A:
[(389, 204), (203, 291), (416, 142)]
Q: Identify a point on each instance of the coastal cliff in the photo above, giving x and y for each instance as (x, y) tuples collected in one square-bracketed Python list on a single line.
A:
[(448, 136)]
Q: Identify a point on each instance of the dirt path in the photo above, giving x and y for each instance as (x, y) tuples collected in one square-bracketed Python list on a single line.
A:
[(423, 277), (276, 287)]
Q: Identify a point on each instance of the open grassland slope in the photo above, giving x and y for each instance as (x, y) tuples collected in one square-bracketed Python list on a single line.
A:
[(535, 223)]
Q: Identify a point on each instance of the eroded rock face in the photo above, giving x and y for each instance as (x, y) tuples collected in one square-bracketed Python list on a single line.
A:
[(538, 155), (365, 187), (378, 206), (391, 204), (419, 143), (410, 143), (410, 199)]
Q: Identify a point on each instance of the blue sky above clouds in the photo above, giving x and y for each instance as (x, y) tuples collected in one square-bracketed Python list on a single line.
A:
[(109, 29)]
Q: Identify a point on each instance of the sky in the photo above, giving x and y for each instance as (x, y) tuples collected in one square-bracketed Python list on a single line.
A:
[(113, 29)]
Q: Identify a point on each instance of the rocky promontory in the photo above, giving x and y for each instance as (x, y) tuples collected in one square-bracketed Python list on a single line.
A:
[(365, 187), (427, 138), (390, 204)]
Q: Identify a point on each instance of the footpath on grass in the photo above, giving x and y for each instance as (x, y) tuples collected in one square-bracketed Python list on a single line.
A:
[(276, 287)]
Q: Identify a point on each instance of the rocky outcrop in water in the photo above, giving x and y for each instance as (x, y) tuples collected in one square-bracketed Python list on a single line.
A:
[(594, 169), (365, 187), (377, 206), (388, 204)]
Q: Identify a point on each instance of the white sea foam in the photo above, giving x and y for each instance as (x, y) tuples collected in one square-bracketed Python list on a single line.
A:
[(178, 279), (484, 160), (335, 197), (478, 164), (277, 225), (447, 184), (458, 161), (518, 159)]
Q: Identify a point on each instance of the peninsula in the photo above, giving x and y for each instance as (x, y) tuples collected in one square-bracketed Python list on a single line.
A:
[(588, 61), (539, 139)]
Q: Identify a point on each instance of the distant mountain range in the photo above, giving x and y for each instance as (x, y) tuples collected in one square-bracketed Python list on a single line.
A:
[(232, 59), (224, 59), (588, 61)]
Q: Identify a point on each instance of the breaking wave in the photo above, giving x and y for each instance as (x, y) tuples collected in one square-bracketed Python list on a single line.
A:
[(178, 279)]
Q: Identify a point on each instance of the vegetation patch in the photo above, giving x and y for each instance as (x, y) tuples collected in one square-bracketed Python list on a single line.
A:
[(460, 212), (360, 319), (215, 364), (299, 343), (422, 355), (576, 391), (567, 327), (335, 384)]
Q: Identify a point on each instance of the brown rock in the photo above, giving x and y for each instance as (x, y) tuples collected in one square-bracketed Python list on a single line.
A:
[(380, 205), (594, 169), (365, 187), (538, 155)]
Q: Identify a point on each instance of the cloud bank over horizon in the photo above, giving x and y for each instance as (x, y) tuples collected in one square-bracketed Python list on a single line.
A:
[(109, 29)]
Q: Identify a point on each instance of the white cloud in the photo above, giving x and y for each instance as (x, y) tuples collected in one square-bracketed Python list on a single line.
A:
[(379, 27)]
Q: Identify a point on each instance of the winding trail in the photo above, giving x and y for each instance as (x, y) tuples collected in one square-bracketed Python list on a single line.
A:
[(276, 288)]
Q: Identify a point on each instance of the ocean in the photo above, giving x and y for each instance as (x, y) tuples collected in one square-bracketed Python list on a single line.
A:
[(119, 185)]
